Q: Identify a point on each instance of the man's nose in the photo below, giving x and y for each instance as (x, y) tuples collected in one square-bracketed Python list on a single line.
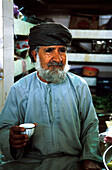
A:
[(57, 56)]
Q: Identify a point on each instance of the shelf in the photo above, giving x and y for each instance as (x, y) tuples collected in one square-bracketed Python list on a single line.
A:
[(91, 81), (18, 67), (22, 27), (79, 57), (91, 34)]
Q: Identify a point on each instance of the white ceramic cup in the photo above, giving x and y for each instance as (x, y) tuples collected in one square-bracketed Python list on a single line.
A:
[(29, 129)]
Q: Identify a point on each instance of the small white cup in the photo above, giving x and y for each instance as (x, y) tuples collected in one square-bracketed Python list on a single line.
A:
[(29, 129)]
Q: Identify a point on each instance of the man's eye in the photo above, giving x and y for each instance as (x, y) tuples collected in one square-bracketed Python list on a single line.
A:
[(48, 50), (63, 50)]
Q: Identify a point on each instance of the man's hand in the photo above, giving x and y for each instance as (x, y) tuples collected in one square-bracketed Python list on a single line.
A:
[(108, 139), (17, 140), (89, 165)]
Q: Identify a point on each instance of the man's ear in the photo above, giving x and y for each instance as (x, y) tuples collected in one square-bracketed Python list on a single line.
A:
[(34, 54)]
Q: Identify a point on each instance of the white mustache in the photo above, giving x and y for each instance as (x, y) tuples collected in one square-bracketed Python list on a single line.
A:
[(55, 64)]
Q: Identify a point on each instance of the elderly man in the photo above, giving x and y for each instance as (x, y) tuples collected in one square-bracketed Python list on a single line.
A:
[(59, 103)]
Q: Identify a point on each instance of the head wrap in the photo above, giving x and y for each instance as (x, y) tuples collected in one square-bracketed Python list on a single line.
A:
[(47, 34)]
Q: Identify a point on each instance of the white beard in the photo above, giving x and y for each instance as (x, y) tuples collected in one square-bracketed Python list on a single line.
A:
[(54, 76)]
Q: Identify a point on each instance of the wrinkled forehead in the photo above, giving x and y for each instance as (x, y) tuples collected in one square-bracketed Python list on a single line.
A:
[(53, 46)]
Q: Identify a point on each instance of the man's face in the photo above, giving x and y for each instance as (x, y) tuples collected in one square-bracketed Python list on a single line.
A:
[(52, 57)]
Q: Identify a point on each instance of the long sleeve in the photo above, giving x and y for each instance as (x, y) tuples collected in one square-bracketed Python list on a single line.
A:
[(8, 118), (58, 110), (90, 131)]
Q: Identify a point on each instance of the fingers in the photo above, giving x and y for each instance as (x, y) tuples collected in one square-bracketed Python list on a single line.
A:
[(18, 136), (19, 143), (90, 165), (16, 129), (18, 140)]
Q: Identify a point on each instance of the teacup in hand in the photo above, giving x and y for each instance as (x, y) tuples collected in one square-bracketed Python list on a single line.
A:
[(29, 129)]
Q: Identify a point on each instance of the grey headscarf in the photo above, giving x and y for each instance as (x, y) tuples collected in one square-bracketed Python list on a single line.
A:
[(47, 34)]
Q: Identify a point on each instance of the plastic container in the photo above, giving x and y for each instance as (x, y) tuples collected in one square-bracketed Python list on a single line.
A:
[(77, 71), (89, 71)]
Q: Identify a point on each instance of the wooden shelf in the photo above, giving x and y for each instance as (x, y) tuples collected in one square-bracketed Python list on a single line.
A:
[(18, 67), (96, 58), (91, 34)]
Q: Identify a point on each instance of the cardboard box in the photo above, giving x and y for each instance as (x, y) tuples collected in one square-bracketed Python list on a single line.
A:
[(84, 22)]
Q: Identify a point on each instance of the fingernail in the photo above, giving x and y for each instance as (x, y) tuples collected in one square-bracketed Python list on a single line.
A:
[(22, 129), (26, 136), (26, 140), (24, 144)]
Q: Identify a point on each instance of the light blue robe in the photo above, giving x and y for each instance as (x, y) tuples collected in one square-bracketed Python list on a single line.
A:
[(65, 117)]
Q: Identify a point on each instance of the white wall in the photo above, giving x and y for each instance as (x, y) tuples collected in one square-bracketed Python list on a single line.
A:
[(6, 48), (63, 19)]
